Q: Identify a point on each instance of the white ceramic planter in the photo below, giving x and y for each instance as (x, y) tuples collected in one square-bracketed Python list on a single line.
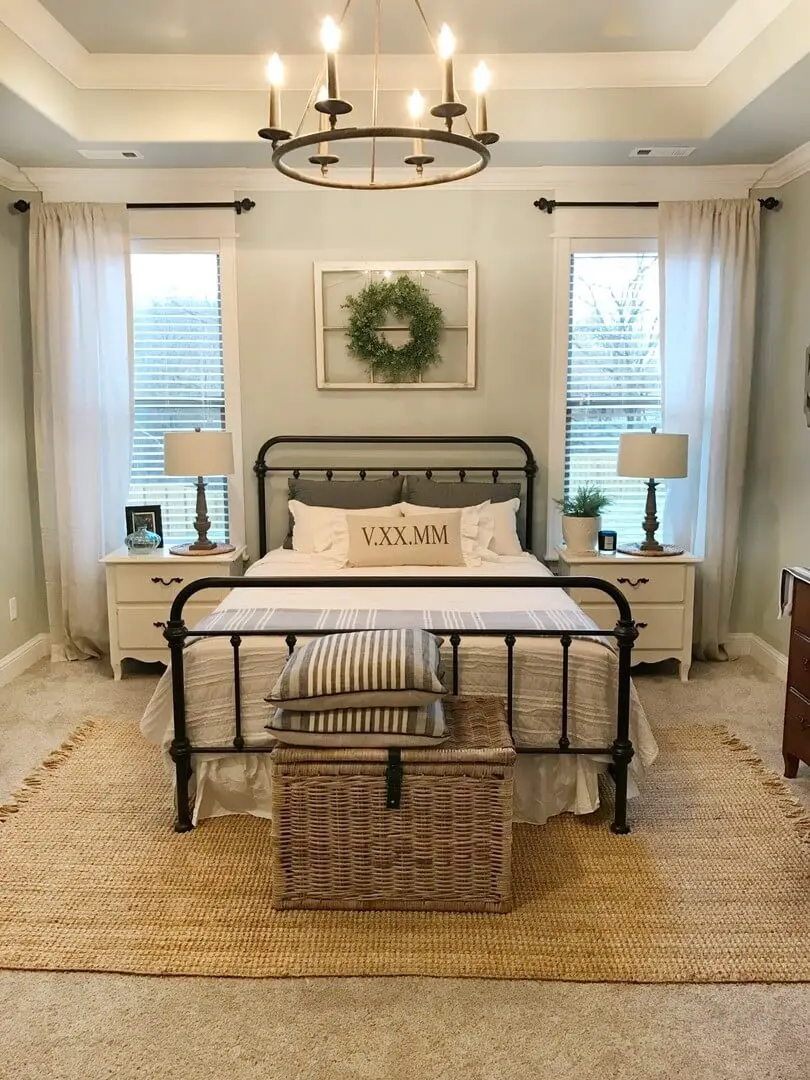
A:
[(580, 534)]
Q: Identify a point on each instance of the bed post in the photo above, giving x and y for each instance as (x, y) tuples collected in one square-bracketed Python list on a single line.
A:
[(626, 634), (260, 469), (180, 749)]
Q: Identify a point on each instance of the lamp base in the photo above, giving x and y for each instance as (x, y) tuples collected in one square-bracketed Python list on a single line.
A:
[(637, 549), (189, 549)]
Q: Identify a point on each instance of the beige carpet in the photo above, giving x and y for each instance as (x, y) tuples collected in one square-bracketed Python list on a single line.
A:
[(711, 887)]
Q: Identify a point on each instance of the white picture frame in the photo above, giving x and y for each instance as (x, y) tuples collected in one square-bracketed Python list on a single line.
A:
[(336, 369)]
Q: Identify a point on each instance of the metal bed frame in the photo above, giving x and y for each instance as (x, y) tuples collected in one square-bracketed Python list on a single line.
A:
[(178, 634)]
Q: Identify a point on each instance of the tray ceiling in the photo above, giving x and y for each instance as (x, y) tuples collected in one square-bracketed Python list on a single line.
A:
[(502, 26)]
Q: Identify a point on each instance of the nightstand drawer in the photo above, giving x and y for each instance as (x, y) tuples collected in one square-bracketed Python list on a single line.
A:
[(660, 626), (643, 583), (141, 626), (152, 583)]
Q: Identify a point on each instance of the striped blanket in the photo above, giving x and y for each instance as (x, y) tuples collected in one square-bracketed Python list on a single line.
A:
[(285, 620)]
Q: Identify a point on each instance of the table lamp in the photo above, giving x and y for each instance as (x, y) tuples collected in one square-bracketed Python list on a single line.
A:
[(199, 453), (651, 454)]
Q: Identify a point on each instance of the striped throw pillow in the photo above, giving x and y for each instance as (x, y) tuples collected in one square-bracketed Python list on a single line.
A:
[(362, 669), (421, 726)]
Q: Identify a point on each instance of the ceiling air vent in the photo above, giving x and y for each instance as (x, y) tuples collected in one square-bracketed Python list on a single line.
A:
[(112, 155), (663, 151)]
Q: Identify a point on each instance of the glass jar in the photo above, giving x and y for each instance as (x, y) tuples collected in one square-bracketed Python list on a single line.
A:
[(142, 541)]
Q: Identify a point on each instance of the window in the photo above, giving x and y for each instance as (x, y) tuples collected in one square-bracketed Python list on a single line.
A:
[(612, 371), (179, 379)]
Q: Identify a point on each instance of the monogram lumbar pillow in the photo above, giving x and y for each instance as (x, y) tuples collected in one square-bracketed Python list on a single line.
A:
[(422, 540)]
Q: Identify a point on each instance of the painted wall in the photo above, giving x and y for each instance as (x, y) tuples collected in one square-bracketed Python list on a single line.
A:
[(776, 510), (21, 573), (279, 241)]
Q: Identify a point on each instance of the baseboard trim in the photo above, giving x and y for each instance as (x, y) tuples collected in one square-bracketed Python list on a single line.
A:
[(760, 652), (21, 658)]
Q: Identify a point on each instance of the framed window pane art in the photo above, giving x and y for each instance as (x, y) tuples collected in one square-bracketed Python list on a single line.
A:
[(362, 342)]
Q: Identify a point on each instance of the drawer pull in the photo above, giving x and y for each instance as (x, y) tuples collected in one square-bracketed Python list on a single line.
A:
[(163, 581), (159, 625), (641, 625), (633, 584), (806, 662)]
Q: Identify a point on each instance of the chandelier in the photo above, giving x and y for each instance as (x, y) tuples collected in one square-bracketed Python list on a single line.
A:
[(325, 105)]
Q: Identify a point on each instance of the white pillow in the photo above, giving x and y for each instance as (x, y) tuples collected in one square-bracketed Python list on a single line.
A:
[(506, 540), (477, 527), (321, 530)]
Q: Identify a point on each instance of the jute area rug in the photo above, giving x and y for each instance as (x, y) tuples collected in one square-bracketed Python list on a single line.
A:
[(712, 885)]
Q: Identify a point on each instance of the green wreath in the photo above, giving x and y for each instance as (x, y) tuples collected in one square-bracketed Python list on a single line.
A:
[(406, 300)]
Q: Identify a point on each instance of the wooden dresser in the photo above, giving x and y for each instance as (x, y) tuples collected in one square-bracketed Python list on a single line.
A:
[(796, 737)]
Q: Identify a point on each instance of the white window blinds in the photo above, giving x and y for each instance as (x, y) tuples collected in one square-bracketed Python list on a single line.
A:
[(179, 381), (613, 379)]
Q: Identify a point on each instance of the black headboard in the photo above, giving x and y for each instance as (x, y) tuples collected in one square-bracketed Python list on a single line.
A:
[(528, 468)]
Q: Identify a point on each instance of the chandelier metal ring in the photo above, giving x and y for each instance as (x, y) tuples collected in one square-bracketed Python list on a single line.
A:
[(283, 149)]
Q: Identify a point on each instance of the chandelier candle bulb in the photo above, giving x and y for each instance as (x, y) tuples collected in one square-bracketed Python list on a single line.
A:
[(330, 39), (416, 107), (481, 81), (275, 76), (447, 45)]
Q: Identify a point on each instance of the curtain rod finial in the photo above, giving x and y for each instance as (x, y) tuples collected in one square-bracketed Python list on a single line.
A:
[(21, 206)]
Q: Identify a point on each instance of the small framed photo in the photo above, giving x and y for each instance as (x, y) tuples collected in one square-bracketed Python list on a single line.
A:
[(144, 516)]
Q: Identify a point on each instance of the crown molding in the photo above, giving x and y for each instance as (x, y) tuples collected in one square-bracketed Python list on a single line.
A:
[(13, 178), (790, 167), (738, 29), (603, 183)]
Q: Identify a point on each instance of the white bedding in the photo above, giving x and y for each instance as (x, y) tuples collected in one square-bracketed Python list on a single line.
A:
[(545, 785)]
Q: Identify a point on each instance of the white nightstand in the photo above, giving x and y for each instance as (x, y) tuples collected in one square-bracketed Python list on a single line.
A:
[(140, 589), (661, 592)]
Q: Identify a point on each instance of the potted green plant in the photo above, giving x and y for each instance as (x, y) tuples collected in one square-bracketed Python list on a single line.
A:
[(581, 518)]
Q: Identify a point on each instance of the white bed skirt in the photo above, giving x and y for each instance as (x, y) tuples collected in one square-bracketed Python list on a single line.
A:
[(544, 786)]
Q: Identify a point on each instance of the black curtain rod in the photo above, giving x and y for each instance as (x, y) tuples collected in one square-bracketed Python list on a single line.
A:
[(240, 206), (548, 206)]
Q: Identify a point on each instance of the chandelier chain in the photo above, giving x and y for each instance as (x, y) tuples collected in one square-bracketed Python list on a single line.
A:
[(375, 86)]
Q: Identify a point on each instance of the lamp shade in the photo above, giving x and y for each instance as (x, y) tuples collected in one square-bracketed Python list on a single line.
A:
[(197, 453), (649, 454)]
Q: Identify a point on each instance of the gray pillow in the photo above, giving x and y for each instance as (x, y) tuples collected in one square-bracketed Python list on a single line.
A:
[(344, 494), (452, 494)]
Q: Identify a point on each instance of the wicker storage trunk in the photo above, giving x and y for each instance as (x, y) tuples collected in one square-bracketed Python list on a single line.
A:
[(447, 848)]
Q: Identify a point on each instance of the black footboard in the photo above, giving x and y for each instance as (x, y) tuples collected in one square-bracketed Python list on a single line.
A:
[(624, 634)]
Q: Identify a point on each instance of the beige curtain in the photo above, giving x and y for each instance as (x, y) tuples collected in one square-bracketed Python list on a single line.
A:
[(708, 258), (82, 409)]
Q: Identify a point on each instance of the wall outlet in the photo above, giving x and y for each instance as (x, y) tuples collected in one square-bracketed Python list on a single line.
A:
[(12, 608)]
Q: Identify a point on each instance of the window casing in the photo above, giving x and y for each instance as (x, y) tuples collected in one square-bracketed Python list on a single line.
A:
[(184, 376), (606, 372)]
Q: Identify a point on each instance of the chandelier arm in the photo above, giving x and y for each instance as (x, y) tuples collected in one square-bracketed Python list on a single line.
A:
[(319, 80)]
